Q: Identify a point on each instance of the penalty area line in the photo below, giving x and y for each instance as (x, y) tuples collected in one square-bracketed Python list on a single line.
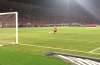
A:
[(94, 50)]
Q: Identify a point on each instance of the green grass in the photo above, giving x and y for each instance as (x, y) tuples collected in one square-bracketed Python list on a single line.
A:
[(72, 38), (14, 58)]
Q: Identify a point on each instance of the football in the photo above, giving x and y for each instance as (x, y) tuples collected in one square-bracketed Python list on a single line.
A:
[(49, 32)]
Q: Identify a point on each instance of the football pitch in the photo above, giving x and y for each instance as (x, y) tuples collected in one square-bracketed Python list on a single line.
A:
[(80, 41)]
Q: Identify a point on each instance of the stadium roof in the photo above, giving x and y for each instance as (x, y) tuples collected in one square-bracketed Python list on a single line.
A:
[(61, 3), (71, 4)]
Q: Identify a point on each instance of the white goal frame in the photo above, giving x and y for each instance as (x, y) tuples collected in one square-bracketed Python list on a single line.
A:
[(16, 23)]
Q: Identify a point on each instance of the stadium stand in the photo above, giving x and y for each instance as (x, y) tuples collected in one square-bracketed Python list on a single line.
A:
[(46, 16)]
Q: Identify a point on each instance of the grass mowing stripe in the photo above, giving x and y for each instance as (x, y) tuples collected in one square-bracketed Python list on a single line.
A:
[(5, 42), (52, 48), (15, 58), (62, 39)]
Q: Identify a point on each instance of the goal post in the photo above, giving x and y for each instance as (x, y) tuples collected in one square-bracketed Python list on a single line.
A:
[(16, 27), (9, 20)]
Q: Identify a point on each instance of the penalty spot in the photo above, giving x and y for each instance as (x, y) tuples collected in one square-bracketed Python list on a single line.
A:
[(49, 32)]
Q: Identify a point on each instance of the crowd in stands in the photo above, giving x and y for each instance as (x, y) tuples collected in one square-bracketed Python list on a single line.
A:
[(46, 16)]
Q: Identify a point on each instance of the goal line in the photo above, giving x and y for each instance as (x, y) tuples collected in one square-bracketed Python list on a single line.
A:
[(54, 48)]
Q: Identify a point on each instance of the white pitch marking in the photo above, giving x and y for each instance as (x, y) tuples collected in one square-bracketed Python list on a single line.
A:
[(94, 50), (61, 39)]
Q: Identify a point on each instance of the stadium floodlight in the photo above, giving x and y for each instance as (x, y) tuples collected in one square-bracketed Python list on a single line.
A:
[(9, 20)]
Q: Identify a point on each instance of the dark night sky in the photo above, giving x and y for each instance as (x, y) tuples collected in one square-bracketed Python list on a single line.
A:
[(63, 3)]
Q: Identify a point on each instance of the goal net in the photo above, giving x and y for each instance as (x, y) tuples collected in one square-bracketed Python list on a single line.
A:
[(9, 27)]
